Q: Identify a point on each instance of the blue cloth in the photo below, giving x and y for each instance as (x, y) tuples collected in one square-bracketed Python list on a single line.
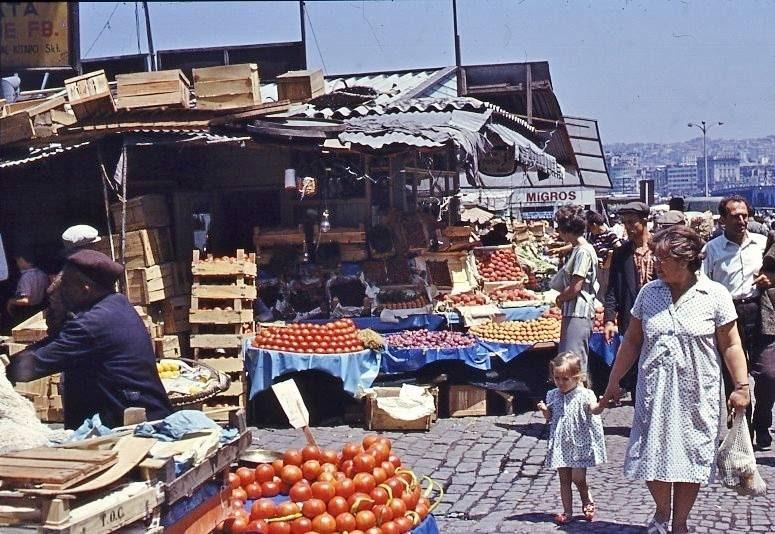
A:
[(180, 424), (607, 351), (91, 428), (357, 370), (108, 362), (413, 322), (404, 360), (505, 351)]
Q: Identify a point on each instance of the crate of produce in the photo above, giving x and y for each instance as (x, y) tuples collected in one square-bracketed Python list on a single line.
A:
[(227, 86), (243, 265), (467, 401), (144, 248), (30, 330), (498, 264), (89, 95), (455, 238), (448, 271), (143, 212), (153, 284), (300, 85), (153, 89), (378, 418)]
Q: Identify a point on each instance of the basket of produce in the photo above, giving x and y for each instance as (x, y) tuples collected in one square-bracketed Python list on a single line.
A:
[(188, 383)]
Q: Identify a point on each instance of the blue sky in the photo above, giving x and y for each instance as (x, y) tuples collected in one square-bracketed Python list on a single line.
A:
[(642, 68)]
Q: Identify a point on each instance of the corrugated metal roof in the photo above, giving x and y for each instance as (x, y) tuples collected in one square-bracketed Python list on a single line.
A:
[(40, 153), (527, 152)]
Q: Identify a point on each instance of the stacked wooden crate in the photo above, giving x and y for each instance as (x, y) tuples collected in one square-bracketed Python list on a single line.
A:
[(154, 280), (44, 392), (222, 297)]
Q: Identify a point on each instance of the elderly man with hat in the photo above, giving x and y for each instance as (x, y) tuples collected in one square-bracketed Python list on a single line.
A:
[(632, 267), (670, 218), (103, 348)]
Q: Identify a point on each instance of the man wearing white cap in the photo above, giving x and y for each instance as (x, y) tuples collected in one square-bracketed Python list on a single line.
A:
[(79, 236)]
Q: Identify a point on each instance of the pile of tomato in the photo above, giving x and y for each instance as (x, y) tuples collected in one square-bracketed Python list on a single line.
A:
[(498, 265), (336, 337), (361, 489)]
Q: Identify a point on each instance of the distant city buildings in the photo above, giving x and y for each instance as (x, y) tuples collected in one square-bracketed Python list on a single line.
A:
[(681, 181)]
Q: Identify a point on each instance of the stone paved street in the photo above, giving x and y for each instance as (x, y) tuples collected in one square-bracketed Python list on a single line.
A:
[(491, 469)]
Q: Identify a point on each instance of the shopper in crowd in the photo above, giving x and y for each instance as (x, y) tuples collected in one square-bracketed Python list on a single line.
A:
[(676, 204), (576, 439), (756, 224), (682, 327), (30, 294), (577, 283), (763, 369), (604, 242), (103, 348), (734, 259), (670, 218), (632, 267)]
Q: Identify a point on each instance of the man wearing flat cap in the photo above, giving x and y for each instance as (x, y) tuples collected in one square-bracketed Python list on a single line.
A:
[(103, 348), (631, 268)]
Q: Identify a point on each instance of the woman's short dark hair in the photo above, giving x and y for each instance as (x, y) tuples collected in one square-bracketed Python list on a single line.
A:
[(571, 219), (723, 208), (681, 243), (594, 217)]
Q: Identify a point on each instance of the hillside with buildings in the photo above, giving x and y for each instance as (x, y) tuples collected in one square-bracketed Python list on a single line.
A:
[(746, 166)]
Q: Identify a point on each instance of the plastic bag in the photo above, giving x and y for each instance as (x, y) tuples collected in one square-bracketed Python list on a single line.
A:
[(736, 462)]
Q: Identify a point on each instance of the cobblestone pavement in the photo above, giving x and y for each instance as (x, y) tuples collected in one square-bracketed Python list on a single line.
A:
[(491, 469)]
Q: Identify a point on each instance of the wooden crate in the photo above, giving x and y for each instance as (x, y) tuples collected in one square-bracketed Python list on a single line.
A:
[(16, 127), (143, 212), (226, 87), (167, 347), (226, 364), (343, 236), (89, 95), (467, 401), (224, 292), (174, 314), (273, 237), (30, 330), (220, 317), (153, 89), (378, 419), (144, 248), (153, 284), (300, 85), (459, 273), (216, 341), (241, 266)]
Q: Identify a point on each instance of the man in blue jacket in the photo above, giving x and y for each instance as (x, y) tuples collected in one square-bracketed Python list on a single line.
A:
[(102, 348)]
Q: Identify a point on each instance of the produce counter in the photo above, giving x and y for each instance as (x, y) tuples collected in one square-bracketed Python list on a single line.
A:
[(357, 370), (407, 360)]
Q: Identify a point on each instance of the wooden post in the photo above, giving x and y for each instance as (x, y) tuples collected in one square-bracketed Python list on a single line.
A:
[(366, 169)]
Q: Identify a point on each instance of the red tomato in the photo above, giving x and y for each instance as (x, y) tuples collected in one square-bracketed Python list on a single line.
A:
[(345, 487), (337, 505), (364, 463), (234, 481), (365, 519), (398, 507), (351, 450), (311, 470), (287, 508), (236, 525), (329, 456), (279, 527), (300, 492), (369, 440), (347, 468), (258, 526), (324, 491), (324, 523), (291, 474), (345, 522), (395, 460), (264, 473), (313, 508), (364, 482), (374, 530), (326, 476), (380, 495), (246, 475), (380, 475), (310, 452), (292, 457), (389, 468), (383, 513), (253, 491), (389, 527), (301, 525), (240, 494), (270, 489), (262, 509), (277, 465), (360, 501), (403, 523)]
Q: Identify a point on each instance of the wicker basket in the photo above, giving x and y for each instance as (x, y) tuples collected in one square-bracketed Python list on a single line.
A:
[(196, 400)]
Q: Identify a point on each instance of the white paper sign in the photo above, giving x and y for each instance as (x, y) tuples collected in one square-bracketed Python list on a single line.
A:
[(293, 405)]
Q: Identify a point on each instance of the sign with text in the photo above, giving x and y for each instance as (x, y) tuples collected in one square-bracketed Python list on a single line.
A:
[(291, 402), (38, 35), (553, 196)]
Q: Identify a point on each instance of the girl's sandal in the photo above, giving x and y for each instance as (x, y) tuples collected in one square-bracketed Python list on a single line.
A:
[(589, 511), (562, 518)]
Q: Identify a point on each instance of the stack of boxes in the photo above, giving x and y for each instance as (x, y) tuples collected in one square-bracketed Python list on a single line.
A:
[(155, 283), (222, 297)]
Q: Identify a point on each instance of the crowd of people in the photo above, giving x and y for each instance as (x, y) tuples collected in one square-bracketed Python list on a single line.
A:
[(697, 319)]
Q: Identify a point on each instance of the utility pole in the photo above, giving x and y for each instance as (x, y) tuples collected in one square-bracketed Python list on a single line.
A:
[(151, 51), (303, 33), (704, 129), (458, 61)]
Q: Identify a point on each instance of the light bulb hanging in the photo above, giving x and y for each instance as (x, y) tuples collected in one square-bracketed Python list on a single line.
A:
[(325, 224), (290, 178)]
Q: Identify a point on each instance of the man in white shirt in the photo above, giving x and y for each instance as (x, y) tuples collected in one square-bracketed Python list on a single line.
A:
[(734, 259)]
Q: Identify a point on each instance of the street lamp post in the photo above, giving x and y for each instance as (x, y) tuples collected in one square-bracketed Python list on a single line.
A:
[(704, 129)]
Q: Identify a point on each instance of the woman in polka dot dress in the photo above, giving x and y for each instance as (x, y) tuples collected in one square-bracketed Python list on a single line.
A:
[(682, 326), (576, 438)]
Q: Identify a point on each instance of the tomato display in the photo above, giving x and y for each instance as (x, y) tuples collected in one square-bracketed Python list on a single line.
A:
[(336, 337), (513, 294), (424, 339), (498, 265), (541, 330), (402, 299), (469, 298), (379, 495)]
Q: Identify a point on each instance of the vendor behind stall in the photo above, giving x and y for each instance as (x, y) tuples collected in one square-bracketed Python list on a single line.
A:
[(499, 235), (103, 348)]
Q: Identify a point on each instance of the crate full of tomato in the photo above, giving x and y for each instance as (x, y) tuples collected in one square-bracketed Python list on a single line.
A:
[(498, 264)]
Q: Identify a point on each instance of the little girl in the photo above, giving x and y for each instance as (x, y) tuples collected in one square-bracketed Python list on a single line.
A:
[(576, 438)]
